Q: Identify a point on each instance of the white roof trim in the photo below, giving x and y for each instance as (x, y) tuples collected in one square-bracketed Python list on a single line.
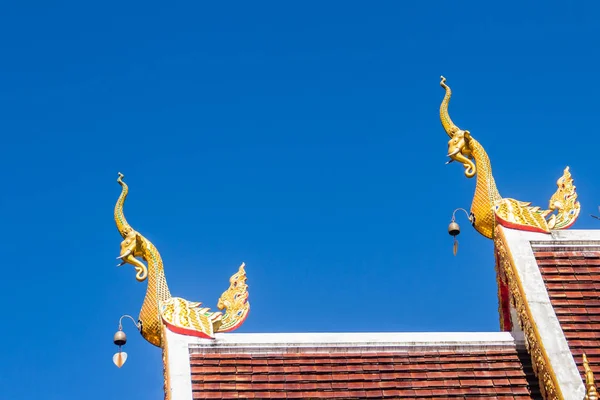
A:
[(520, 244), (180, 371), (180, 347), (349, 342), (577, 237)]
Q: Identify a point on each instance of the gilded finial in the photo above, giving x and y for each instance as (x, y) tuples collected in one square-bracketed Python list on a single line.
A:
[(590, 386), (488, 208), (159, 308)]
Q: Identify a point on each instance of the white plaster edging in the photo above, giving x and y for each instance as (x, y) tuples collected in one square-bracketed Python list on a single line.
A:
[(349, 342), (180, 371), (582, 235), (542, 312)]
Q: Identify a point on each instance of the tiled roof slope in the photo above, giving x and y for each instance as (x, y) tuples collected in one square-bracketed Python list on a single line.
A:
[(450, 372), (572, 278)]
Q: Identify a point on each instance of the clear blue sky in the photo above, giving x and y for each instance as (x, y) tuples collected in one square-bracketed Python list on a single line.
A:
[(302, 139)]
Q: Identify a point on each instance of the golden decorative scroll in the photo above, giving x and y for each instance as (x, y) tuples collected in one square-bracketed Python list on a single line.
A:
[(235, 301), (541, 364), (565, 201)]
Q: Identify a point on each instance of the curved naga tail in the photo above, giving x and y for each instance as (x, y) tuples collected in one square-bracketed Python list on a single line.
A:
[(235, 301), (565, 201), (521, 215), (190, 318)]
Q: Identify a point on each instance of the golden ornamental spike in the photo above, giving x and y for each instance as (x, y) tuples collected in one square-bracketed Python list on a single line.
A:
[(590, 386), (488, 207)]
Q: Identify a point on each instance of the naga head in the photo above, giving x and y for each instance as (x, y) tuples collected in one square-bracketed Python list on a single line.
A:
[(459, 148), (131, 247)]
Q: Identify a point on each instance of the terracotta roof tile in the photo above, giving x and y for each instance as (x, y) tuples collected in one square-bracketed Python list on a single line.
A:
[(572, 280), (423, 374)]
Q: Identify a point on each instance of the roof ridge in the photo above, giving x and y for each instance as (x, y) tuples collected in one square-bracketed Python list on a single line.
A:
[(354, 342)]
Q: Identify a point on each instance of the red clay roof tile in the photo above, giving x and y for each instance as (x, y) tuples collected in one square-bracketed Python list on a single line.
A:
[(572, 280), (424, 374)]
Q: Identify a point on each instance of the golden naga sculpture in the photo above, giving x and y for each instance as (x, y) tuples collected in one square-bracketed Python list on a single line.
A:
[(590, 386), (488, 207), (159, 307)]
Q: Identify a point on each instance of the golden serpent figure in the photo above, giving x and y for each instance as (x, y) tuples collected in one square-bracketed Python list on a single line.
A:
[(488, 207), (159, 307)]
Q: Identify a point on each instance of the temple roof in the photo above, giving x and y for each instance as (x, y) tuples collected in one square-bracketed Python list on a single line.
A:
[(552, 281), (547, 284), (355, 366)]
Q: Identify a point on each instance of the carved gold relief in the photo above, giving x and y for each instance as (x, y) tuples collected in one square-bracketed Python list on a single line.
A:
[(591, 393)]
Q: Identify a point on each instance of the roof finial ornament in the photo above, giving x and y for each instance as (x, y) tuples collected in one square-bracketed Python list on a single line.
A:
[(159, 307), (488, 207), (590, 386)]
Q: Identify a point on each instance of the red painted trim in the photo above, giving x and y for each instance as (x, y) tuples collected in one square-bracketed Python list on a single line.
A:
[(193, 332), (530, 228), (503, 299), (519, 227), (505, 302), (186, 332)]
